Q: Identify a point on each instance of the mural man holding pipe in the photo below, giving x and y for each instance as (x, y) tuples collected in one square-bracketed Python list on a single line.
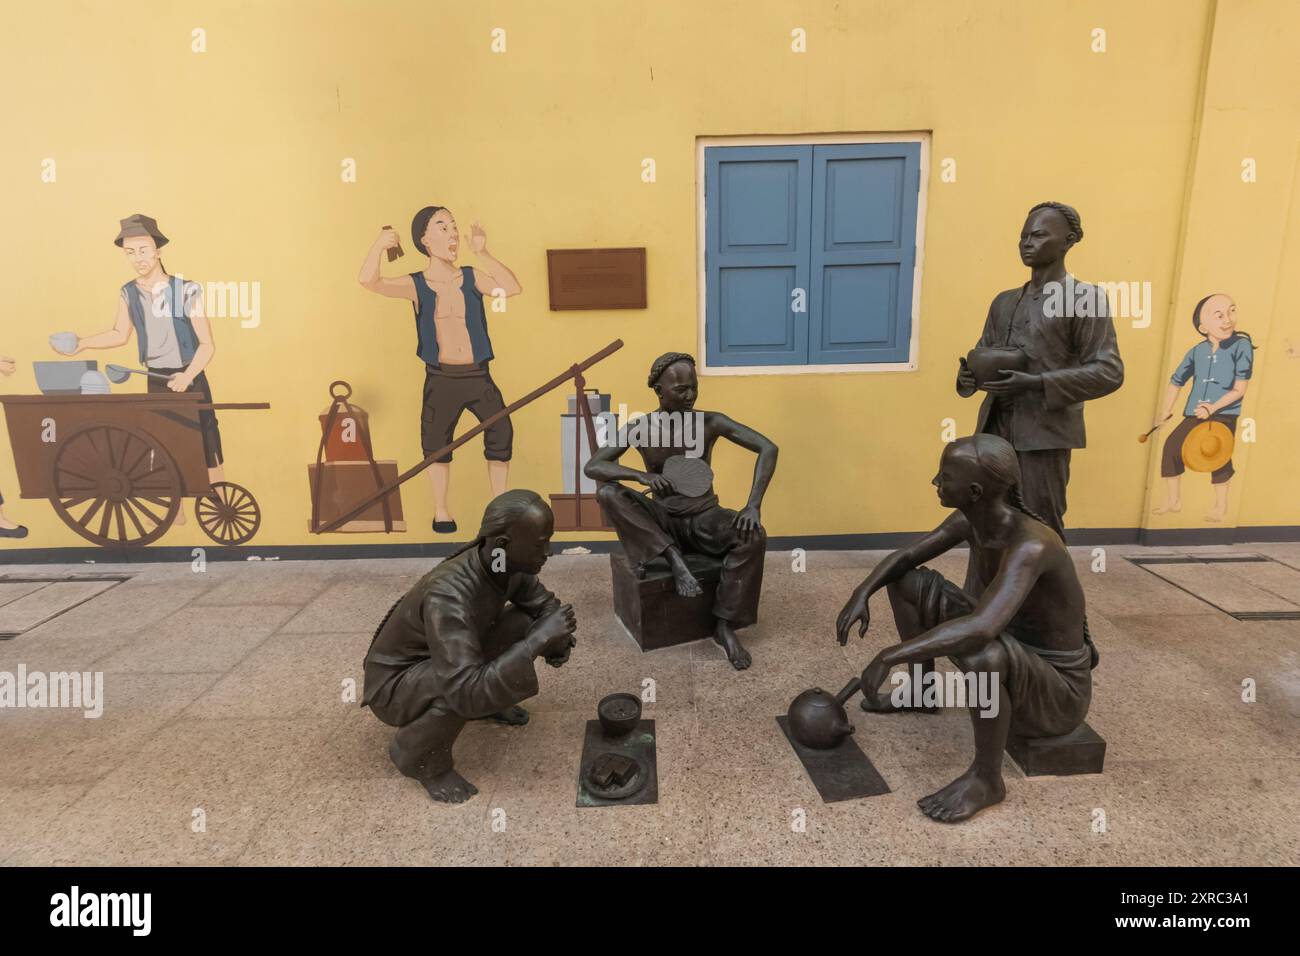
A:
[(452, 341)]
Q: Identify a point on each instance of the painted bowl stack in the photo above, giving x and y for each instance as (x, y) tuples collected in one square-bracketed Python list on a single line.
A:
[(94, 382)]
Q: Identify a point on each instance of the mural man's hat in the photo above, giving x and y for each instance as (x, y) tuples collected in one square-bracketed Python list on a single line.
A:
[(1207, 447), (140, 225)]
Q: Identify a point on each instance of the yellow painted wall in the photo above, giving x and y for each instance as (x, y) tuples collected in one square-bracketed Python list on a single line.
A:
[(1244, 239), (237, 152)]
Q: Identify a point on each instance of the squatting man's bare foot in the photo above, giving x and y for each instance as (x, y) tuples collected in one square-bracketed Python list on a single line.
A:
[(449, 787), (514, 716)]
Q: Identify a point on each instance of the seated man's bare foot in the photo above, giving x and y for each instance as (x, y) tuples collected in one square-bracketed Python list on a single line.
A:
[(513, 716), (1172, 507), (725, 635), (1215, 515), (449, 787), (685, 584), (964, 797)]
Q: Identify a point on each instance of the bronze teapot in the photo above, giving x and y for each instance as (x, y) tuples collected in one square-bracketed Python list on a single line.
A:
[(818, 720)]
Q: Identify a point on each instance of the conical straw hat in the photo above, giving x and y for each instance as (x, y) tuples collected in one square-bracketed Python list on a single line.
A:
[(1207, 447)]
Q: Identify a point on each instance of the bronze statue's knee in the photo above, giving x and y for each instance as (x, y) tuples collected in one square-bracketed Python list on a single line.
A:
[(910, 588), (991, 658), (607, 492)]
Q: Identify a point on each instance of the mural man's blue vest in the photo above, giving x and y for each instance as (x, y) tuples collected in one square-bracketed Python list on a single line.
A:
[(186, 339), (475, 319)]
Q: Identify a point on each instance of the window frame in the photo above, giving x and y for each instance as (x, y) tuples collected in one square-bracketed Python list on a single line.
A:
[(703, 143)]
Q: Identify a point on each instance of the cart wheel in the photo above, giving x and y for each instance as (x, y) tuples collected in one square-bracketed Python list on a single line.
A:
[(228, 514), (114, 485)]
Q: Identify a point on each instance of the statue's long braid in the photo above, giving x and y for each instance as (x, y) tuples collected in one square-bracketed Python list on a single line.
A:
[(383, 622), (465, 547), (1018, 502), (461, 550)]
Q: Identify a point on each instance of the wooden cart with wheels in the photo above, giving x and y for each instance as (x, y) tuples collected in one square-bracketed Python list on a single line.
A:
[(116, 467)]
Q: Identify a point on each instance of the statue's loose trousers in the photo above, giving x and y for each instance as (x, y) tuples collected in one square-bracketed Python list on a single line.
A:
[(649, 526)]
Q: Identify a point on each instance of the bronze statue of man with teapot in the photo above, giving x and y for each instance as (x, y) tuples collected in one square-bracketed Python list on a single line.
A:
[(1047, 347), (1023, 632)]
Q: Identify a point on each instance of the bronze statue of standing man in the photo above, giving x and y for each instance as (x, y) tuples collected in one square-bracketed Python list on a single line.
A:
[(1064, 328)]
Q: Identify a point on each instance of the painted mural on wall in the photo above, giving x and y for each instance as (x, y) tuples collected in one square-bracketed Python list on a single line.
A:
[(117, 466), (1218, 369), (450, 304), (8, 528)]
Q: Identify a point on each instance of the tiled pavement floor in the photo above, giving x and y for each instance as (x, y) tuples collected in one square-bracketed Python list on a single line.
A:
[(224, 702)]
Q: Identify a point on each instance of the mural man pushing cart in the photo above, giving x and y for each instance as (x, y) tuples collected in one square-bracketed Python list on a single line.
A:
[(117, 467), (166, 314)]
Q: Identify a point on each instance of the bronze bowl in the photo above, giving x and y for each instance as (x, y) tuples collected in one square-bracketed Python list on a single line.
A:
[(619, 714), (988, 363)]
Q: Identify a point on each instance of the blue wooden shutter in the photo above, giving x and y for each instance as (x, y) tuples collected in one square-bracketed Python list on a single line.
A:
[(863, 252), (757, 221)]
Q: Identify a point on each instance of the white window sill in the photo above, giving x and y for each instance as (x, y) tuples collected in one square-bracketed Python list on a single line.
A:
[(805, 369)]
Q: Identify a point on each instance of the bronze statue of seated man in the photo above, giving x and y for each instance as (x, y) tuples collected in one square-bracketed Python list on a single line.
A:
[(1021, 628), (676, 519), (460, 645)]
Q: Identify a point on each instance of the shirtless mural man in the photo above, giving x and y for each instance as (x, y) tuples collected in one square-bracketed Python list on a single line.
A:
[(452, 341), (1024, 629), (669, 522)]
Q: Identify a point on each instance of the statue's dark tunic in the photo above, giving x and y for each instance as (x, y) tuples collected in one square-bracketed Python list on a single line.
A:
[(1078, 359), (454, 644)]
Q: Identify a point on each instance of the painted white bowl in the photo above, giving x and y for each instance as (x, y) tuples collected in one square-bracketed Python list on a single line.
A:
[(63, 342)]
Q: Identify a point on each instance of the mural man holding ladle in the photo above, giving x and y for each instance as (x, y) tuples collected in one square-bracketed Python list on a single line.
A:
[(172, 332)]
